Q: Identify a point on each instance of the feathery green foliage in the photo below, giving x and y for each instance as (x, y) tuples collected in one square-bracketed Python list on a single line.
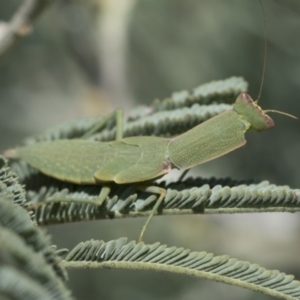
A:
[(171, 116), (120, 254), (67, 202), (26, 255), (219, 91)]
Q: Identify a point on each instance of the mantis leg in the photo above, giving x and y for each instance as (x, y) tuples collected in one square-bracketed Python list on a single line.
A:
[(182, 175), (118, 115), (151, 189), (103, 194)]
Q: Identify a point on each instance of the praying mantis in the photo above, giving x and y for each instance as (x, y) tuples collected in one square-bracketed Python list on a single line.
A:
[(143, 159)]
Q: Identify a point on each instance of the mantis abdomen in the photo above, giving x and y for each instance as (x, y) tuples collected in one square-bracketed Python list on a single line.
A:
[(89, 162)]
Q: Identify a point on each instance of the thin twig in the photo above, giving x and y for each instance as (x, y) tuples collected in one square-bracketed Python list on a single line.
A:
[(21, 23)]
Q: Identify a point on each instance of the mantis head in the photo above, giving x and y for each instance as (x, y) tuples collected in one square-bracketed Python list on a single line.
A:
[(249, 110)]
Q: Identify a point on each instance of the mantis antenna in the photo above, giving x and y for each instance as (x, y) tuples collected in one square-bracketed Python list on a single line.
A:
[(265, 51), (281, 113), (265, 65)]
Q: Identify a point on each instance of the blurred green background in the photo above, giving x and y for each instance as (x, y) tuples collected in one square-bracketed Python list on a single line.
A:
[(89, 57)]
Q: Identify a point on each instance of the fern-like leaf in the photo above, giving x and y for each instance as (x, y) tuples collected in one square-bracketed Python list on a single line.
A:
[(219, 91), (120, 254), (19, 286), (18, 220), (37, 276), (10, 185), (171, 116), (65, 202)]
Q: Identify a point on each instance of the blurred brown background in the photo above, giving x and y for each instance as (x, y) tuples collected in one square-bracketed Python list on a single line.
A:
[(89, 57)]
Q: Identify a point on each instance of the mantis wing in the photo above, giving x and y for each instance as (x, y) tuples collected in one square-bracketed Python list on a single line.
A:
[(68, 160), (139, 159)]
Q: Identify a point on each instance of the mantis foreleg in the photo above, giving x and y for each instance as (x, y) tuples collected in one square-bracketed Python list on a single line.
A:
[(118, 115)]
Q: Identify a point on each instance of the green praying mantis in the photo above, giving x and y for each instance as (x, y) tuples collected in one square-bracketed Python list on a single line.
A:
[(143, 159)]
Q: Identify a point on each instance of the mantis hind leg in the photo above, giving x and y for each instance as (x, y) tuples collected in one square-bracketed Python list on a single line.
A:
[(151, 189), (118, 115)]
